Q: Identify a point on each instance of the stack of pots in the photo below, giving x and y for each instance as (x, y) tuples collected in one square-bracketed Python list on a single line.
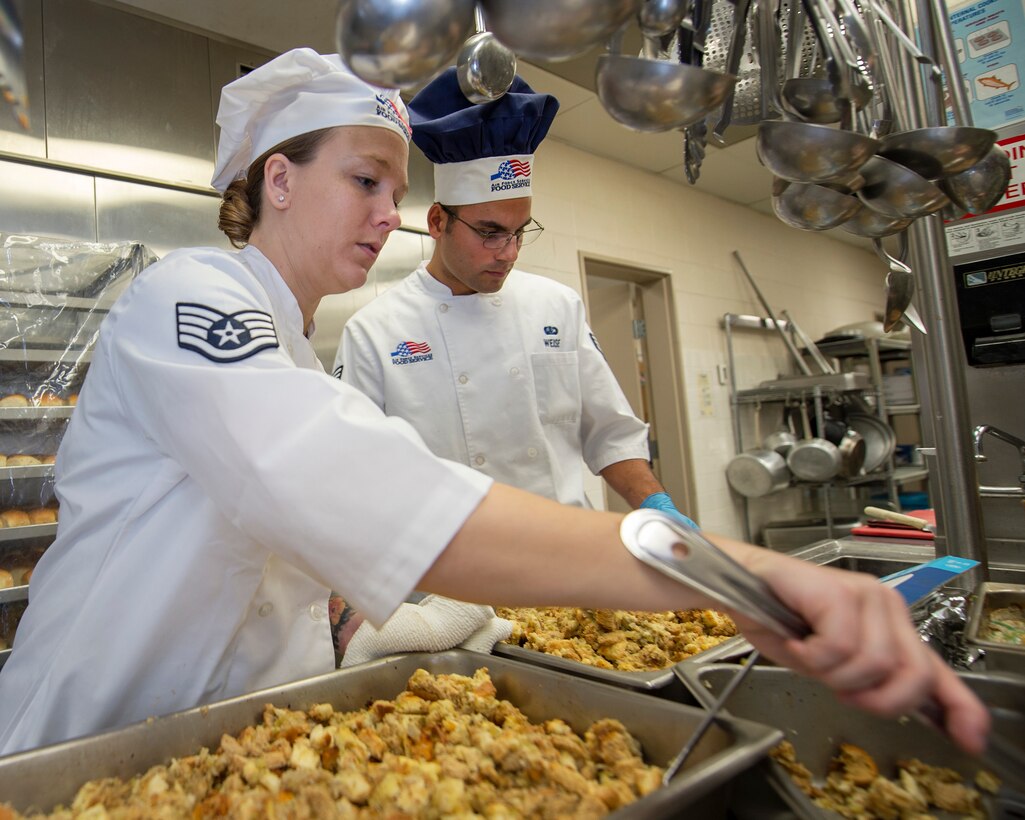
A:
[(837, 451)]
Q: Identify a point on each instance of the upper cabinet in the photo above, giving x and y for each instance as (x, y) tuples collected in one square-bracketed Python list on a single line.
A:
[(14, 139), (125, 93)]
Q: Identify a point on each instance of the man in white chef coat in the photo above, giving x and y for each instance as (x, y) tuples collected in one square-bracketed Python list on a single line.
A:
[(495, 367)]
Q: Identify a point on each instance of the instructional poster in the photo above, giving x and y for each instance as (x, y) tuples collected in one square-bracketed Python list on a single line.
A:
[(989, 36)]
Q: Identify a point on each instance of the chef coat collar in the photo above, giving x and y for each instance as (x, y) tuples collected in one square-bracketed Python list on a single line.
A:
[(281, 295), (437, 289)]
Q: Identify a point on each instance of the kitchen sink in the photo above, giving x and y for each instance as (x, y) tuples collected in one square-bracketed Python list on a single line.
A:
[(881, 559)]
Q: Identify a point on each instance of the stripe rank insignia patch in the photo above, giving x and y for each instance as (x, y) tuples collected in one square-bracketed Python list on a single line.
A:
[(224, 337)]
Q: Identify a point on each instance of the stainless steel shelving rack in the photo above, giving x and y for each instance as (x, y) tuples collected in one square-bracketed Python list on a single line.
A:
[(820, 390), (875, 352)]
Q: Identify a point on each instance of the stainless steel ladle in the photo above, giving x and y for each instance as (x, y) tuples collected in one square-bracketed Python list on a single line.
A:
[(656, 95), (898, 192), (811, 207), (484, 68), (900, 287), (869, 223), (980, 187)]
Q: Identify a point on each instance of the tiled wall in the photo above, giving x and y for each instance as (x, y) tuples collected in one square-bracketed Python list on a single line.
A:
[(597, 206)]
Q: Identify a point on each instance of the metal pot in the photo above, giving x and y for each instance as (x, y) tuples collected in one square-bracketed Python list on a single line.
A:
[(852, 454), (758, 472), (783, 439), (814, 459), (849, 442), (880, 440)]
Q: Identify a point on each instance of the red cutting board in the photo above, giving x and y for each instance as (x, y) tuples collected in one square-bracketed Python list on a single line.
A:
[(889, 530)]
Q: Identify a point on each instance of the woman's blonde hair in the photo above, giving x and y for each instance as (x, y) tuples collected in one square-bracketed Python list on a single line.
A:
[(241, 201)]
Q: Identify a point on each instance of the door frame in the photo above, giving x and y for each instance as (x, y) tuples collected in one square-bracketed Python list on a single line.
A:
[(665, 366)]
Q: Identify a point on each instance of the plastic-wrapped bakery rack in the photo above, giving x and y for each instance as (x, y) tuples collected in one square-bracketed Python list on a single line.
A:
[(54, 294)]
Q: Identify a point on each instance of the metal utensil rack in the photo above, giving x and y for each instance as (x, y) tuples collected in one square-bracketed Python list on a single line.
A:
[(875, 351), (817, 389)]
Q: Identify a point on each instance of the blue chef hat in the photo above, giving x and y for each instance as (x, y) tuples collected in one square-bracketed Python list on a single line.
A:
[(483, 152)]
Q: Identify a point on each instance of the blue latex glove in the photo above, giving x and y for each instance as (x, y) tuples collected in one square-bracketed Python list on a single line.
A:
[(662, 501)]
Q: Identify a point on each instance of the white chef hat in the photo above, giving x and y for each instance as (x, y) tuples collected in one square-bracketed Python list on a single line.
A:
[(295, 93)]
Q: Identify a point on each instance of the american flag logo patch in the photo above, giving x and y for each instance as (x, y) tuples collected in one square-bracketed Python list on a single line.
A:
[(411, 349), (224, 337), (512, 168), (410, 352)]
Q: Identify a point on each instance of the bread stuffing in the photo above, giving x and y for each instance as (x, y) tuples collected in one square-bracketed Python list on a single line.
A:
[(445, 747), (856, 789), (618, 639)]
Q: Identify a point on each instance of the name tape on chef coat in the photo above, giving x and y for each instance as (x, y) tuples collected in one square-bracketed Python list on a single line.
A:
[(224, 337)]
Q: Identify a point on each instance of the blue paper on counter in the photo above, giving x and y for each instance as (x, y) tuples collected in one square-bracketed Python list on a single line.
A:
[(916, 583)]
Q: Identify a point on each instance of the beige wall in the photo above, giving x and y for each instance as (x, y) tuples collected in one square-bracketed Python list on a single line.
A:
[(597, 206)]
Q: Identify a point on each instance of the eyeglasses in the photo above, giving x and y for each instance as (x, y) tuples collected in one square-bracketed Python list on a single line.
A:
[(499, 240)]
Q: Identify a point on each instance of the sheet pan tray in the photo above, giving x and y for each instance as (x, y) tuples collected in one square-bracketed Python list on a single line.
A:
[(988, 595), (731, 649), (816, 723), (42, 778)]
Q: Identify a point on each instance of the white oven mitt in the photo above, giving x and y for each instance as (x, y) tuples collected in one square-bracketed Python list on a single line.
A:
[(432, 625)]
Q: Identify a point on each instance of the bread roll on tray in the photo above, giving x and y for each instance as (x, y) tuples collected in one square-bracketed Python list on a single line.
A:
[(22, 460), (42, 515), (15, 518)]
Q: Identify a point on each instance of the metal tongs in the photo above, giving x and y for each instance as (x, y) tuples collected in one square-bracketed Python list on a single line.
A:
[(687, 556)]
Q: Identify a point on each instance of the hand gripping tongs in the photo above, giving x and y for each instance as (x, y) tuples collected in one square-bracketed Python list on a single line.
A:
[(685, 555)]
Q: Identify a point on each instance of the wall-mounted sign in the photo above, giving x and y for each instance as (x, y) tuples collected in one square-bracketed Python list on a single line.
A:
[(1006, 227), (990, 40)]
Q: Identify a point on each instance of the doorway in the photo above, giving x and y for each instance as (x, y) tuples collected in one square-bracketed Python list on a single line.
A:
[(631, 312)]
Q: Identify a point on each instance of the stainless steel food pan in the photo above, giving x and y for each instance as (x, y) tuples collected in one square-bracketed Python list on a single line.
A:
[(1002, 657), (816, 724), (731, 649), (45, 777)]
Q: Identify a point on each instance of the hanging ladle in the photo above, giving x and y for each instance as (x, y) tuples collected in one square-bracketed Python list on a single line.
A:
[(813, 99), (808, 152), (900, 288), (657, 18), (982, 186), (656, 95), (485, 68), (811, 207)]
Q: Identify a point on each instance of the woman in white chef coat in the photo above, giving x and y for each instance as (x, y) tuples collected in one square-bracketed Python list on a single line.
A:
[(215, 483)]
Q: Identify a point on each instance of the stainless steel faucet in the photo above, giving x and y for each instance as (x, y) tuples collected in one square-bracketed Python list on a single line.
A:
[(1000, 492)]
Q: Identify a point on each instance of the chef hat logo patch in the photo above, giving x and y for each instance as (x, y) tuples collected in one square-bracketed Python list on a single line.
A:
[(387, 109), (224, 337), (511, 173)]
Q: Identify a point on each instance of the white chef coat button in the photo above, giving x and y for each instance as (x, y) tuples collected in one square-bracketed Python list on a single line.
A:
[(514, 371), (463, 378), (289, 348), (532, 452), (479, 460), (496, 300), (443, 308), (265, 609), (317, 612)]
